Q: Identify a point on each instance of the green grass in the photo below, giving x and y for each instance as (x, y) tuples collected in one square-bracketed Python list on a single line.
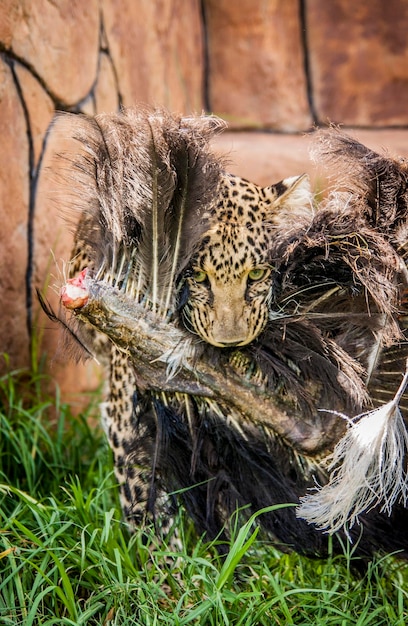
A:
[(67, 558)]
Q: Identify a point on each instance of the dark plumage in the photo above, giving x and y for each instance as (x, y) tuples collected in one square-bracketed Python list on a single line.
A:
[(149, 188)]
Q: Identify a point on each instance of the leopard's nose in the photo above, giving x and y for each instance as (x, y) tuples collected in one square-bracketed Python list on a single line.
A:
[(229, 320), (229, 333)]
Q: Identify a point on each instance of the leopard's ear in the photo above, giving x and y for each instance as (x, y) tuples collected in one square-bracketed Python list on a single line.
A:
[(291, 198)]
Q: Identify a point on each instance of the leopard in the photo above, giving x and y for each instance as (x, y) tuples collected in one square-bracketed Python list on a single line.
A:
[(263, 285), (224, 299)]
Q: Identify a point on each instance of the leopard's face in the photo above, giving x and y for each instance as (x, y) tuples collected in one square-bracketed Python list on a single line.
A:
[(230, 279)]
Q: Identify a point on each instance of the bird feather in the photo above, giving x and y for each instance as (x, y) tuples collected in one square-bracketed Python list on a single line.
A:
[(368, 469)]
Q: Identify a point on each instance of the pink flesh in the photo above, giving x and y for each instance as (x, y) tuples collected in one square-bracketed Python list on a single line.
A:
[(74, 294)]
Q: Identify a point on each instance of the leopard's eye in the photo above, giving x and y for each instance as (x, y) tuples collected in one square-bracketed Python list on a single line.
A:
[(200, 276), (256, 274)]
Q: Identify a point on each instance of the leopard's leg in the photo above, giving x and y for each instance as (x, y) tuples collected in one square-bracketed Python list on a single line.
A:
[(130, 426), (131, 431)]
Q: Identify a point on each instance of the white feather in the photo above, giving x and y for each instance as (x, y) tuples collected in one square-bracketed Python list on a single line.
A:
[(368, 468)]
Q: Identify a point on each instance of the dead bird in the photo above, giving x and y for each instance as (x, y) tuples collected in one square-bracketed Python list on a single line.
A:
[(238, 323)]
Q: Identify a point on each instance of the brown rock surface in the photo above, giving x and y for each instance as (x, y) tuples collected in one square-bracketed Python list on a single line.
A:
[(104, 96), (59, 40), (106, 92), (53, 241), (256, 68), (40, 109), (157, 51), (51, 229), (14, 199), (358, 58), (266, 158)]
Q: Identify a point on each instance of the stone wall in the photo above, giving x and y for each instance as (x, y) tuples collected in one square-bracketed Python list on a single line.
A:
[(287, 64), (277, 66)]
